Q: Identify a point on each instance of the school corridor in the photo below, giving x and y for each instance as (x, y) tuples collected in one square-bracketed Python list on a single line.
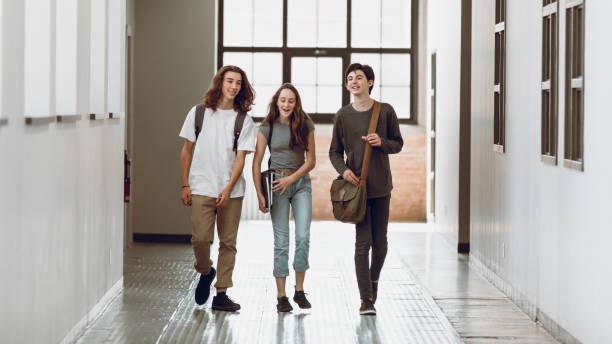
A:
[(500, 214), (427, 295)]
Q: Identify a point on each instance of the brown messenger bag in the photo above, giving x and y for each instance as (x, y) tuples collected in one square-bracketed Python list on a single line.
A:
[(348, 200)]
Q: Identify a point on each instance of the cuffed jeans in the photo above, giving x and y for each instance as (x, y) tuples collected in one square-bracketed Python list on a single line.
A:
[(371, 232), (299, 196)]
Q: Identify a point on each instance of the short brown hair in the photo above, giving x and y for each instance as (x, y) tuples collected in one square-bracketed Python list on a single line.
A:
[(366, 69), (244, 98)]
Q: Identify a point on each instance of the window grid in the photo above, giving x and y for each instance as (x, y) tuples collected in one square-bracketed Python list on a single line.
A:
[(574, 85), (499, 100), (343, 52), (550, 73)]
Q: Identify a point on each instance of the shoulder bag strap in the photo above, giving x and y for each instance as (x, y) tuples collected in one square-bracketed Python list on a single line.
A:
[(368, 148)]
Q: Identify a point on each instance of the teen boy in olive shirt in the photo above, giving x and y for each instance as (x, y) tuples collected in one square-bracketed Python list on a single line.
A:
[(350, 135)]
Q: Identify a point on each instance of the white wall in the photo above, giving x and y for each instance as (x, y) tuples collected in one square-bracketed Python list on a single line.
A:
[(553, 222), (61, 209), (444, 37), (1, 61), (39, 35)]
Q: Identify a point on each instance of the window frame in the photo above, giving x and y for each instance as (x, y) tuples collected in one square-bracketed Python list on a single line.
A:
[(499, 82), (550, 81), (574, 86), (345, 53)]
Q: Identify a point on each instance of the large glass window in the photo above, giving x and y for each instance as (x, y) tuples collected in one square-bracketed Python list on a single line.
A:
[(311, 43), (319, 82), (385, 24), (253, 23), (316, 23)]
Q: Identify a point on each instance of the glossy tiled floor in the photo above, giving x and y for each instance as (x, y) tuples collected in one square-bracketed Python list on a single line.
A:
[(156, 304)]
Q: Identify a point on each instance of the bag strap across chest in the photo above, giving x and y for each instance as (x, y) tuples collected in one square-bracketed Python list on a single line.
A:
[(238, 124), (368, 149)]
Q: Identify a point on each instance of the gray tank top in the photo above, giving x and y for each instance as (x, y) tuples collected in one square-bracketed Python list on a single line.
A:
[(283, 157)]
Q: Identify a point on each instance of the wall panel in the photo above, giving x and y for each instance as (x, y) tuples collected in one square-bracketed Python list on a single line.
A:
[(39, 49), (66, 57), (98, 59), (115, 53), (1, 59), (61, 210)]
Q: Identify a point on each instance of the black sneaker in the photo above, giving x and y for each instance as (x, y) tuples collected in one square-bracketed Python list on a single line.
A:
[(300, 298), (283, 304), (374, 291), (202, 291), (367, 308), (222, 302)]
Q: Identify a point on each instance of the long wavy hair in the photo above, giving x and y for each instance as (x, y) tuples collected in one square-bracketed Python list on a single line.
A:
[(298, 126), (244, 98)]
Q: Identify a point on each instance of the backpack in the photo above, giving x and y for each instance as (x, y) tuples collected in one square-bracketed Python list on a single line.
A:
[(199, 120)]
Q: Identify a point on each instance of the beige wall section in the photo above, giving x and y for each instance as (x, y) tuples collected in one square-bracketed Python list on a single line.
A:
[(174, 61), (543, 231), (444, 38), (61, 209)]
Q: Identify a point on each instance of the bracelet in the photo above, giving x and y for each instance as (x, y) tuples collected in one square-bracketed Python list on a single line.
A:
[(185, 186)]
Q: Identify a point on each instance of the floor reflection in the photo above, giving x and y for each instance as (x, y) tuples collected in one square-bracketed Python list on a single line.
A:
[(367, 331), (160, 285)]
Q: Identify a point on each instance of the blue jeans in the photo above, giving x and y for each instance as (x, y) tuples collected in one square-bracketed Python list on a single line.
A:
[(299, 196)]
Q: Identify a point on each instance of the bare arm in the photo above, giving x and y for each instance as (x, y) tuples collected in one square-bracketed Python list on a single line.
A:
[(186, 157), (224, 197), (260, 150)]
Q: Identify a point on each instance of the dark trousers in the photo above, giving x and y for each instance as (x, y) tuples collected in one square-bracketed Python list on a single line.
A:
[(371, 232)]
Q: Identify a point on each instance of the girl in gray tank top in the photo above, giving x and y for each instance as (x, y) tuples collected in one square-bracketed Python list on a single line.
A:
[(289, 133)]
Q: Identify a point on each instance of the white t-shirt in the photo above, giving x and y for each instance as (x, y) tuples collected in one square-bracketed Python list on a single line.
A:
[(213, 157)]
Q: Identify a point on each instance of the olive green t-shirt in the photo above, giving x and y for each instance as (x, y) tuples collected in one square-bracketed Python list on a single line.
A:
[(349, 126)]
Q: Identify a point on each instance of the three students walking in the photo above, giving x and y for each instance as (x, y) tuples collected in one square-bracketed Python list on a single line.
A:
[(211, 168)]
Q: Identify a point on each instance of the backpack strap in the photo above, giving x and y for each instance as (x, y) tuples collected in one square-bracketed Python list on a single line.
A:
[(199, 119), (237, 129), (270, 143)]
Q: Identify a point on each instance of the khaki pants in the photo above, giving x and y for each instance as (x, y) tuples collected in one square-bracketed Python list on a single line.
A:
[(203, 215)]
